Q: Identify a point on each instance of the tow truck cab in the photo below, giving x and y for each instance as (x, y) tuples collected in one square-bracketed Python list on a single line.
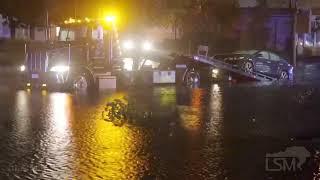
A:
[(81, 54)]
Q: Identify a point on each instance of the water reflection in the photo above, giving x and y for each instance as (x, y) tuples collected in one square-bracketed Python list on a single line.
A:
[(63, 136), (61, 107), (55, 149), (166, 95), (213, 134), (191, 115), (22, 113), (107, 151), (213, 149), (214, 125)]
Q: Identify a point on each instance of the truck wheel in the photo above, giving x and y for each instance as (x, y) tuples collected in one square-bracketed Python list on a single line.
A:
[(284, 75), (80, 83), (192, 78), (247, 66)]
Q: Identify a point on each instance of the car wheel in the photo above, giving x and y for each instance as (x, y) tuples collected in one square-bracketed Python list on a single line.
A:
[(248, 67), (192, 78), (284, 75)]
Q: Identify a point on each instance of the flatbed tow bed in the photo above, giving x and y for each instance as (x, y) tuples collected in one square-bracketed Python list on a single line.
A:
[(255, 76)]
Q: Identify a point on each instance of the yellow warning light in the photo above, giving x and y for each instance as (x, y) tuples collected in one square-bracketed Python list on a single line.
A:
[(110, 18)]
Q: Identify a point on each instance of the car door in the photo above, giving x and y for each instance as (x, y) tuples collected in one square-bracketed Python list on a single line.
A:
[(275, 61), (261, 62)]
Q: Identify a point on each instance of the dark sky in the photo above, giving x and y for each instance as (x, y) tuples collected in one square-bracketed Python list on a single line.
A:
[(33, 11)]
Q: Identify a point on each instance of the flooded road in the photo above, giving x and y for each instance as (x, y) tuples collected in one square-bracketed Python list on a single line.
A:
[(222, 131)]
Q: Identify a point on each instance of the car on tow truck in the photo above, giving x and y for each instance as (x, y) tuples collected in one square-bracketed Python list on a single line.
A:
[(261, 61)]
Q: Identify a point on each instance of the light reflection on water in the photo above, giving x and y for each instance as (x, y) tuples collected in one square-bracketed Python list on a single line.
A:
[(61, 107), (22, 113), (191, 116), (215, 112), (105, 150), (56, 144), (63, 136), (194, 134)]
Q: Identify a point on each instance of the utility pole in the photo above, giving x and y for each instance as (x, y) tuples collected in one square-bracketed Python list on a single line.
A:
[(47, 26), (46, 20), (293, 6), (75, 9)]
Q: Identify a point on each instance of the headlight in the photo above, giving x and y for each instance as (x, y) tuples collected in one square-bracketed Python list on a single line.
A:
[(22, 68), (128, 64), (147, 46), (59, 69), (215, 73), (128, 45)]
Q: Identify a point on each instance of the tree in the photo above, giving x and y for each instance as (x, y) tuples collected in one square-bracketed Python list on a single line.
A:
[(18, 8)]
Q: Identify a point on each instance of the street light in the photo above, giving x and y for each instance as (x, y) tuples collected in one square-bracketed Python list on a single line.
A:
[(293, 5)]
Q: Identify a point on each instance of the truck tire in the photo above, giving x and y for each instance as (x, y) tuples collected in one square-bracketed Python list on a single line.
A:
[(192, 77), (81, 80)]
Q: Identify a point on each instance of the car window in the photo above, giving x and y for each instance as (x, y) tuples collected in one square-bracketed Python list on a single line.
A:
[(263, 55), (274, 57), (150, 64)]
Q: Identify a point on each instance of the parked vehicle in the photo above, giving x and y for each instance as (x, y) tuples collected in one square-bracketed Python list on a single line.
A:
[(262, 61)]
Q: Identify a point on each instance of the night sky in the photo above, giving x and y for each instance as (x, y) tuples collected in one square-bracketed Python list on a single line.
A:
[(33, 11)]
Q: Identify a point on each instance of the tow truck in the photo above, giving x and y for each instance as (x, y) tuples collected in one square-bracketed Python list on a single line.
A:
[(81, 58), (89, 54)]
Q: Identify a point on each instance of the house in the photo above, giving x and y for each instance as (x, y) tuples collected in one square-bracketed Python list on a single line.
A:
[(308, 43), (265, 28), (4, 28)]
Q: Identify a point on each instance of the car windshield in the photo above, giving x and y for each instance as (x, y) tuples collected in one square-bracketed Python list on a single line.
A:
[(80, 33), (71, 34), (249, 52)]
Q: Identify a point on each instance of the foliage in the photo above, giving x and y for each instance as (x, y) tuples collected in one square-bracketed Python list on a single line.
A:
[(195, 15), (183, 15)]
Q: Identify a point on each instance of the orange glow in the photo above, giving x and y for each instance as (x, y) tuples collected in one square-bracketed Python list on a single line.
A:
[(112, 149), (191, 116)]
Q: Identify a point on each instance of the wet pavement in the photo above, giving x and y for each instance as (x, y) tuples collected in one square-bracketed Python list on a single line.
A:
[(221, 131)]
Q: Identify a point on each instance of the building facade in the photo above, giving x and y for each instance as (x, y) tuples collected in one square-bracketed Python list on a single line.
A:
[(281, 3), (308, 43)]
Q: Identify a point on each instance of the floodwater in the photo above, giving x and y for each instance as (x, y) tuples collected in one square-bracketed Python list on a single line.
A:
[(222, 131)]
